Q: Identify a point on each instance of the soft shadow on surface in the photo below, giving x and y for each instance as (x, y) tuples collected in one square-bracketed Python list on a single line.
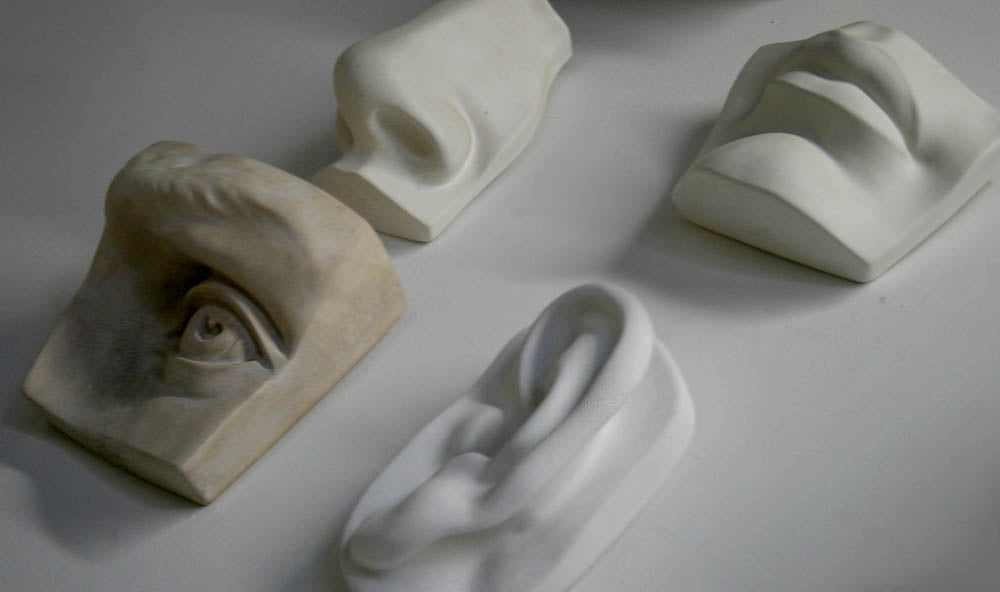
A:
[(708, 270), (399, 248), (621, 24), (87, 506), (323, 571), (346, 20), (311, 155)]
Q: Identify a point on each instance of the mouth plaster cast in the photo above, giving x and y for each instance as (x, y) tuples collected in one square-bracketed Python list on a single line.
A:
[(524, 481), (434, 110), (843, 151), (226, 297)]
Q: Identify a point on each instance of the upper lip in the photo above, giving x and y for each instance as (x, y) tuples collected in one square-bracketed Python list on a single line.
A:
[(838, 55)]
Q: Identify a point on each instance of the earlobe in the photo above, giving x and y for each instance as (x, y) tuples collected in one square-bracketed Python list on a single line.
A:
[(520, 483)]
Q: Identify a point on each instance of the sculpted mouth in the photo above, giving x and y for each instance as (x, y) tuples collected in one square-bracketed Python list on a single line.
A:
[(831, 108), (842, 91), (842, 151), (855, 56)]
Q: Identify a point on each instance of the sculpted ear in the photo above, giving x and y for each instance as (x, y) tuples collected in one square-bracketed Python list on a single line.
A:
[(525, 480)]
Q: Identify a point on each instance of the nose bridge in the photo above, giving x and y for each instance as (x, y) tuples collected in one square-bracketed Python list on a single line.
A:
[(360, 87), (839, 44), (867, 31)]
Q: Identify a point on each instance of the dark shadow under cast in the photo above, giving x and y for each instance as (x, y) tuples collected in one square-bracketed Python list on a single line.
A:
[(88, 506), (621, 24), (709, 270)]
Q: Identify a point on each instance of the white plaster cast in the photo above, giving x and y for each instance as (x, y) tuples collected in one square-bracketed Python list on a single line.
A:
[(434, 110), (226, 297), (525, 480), (843, 151)]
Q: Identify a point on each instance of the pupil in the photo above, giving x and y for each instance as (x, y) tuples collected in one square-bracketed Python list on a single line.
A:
[(210, 327)]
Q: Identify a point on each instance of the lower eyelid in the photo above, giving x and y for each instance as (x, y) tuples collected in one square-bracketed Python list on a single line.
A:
[(204, 380)]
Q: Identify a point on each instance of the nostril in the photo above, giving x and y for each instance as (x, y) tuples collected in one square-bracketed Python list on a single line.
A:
[(411, 138)]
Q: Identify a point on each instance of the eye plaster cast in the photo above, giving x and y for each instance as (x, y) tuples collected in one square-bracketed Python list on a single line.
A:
[(843, 151), (431, 112), (528, 478), (226, 297)]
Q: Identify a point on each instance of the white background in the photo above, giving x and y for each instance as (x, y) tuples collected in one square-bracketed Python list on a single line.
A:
[(847, 435)]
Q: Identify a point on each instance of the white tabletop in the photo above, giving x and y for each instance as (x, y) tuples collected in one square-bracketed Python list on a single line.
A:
[(846, 436)]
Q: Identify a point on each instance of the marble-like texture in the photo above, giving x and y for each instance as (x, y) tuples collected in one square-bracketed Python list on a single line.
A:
[(431, 112), (226, 297), (843, 151), (532, 474)]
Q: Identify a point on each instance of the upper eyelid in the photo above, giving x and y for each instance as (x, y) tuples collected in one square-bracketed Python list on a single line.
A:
[(259, 325)]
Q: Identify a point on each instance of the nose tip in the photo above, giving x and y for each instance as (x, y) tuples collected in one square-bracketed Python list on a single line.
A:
[(866, 31), (840, 40), (837, 42)]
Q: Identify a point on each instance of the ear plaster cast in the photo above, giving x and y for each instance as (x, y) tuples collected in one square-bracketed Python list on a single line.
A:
[(432, 111), (523, 482), (226, 298), (842, 152)]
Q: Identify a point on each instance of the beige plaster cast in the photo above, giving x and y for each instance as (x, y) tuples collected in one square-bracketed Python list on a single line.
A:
[(432, 111), (843, 151), (523, 482), (226, 297)]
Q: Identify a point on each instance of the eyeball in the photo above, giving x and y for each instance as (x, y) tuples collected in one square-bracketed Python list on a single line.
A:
[(227, 345), (227, 327), (215, 334)]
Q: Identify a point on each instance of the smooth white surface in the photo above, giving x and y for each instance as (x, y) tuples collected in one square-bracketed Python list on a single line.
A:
[(431, 111), (538, 468), (846, 434), (842, 151)]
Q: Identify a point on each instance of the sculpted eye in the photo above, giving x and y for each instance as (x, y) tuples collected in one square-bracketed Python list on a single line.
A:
[(226, 327), (214, 334), (228, 345)]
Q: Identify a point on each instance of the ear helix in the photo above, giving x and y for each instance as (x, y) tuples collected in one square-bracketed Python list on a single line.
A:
[(525, 450)]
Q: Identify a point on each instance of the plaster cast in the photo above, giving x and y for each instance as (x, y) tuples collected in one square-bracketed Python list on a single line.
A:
[(843, 151), (524, 481), (432, 111), (225, 298)]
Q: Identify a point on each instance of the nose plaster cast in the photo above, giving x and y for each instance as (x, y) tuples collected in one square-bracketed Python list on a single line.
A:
[(524, 481), (226, 297), (434, 110), (843, 151)]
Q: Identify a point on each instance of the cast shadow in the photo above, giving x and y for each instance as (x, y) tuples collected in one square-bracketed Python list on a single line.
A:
[(86, 505), (708, 270), (323, 571), (312, 155), (605, 25), (350, 20), (320, 151), (400, 248)]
